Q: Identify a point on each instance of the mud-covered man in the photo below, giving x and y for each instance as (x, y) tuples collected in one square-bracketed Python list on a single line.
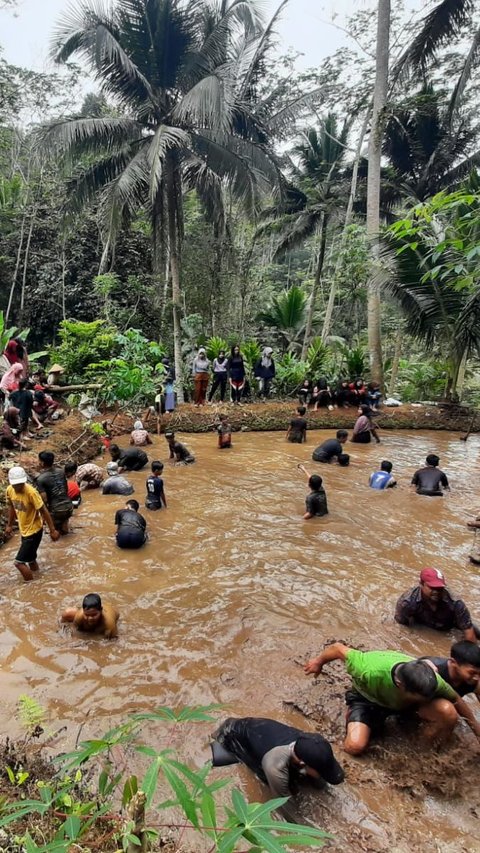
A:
[(389, 683)]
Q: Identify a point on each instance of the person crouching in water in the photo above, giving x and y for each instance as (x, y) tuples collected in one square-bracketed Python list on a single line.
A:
[(278, 754), (316, 501), (224, 431), (131, 526), (94, 617)]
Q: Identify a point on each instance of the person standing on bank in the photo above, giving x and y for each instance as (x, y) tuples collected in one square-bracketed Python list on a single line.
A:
[(236, 374), (264, 372), (200, 373), (25, 504), (220, 376)]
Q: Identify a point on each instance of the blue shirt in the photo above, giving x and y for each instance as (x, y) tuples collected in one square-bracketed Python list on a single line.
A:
[(380, 480)]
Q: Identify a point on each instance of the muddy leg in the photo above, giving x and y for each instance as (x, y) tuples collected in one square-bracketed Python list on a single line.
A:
[(24, 570), (440, 717), (357, 739)]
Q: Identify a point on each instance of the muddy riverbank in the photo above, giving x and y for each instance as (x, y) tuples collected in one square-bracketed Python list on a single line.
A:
[(275, 415), (234, 591)]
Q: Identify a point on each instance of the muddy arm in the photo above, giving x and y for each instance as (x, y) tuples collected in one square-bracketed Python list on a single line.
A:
[(337, 651)]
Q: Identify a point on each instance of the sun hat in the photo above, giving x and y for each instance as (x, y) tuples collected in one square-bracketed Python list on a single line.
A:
[(57, 368), (433, 578), (17, 475)]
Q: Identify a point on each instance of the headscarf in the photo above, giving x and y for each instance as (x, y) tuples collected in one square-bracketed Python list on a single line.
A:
[(11, 352), (317, 753), (11, 377), (138, 425), (112, 468), (267, 357)]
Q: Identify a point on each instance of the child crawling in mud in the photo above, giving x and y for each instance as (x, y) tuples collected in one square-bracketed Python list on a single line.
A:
[(94, 617)]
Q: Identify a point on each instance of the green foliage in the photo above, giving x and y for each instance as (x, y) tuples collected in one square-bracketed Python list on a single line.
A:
[(290, 373), (287, 314), (74, 811), (133, 374), (7, 333), (83, 344), (317, 357), (419, 381), (30, 714), (214, 345), (355, 360)]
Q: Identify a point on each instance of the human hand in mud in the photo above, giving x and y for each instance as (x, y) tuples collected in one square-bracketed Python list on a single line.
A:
[(54, 535), (474, 525), (8, 533), (313, 667)]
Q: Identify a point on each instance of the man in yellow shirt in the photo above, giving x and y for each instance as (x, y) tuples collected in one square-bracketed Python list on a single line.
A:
[(26, 505)]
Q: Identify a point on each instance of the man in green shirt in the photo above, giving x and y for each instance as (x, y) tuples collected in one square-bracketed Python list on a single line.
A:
[(388, 682)]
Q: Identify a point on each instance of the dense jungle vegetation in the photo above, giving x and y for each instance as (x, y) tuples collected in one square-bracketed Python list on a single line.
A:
[(205, 191)]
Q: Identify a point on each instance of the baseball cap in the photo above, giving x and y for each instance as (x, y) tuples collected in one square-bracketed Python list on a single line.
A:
[(433, 578), (316, 752), (17, 475)]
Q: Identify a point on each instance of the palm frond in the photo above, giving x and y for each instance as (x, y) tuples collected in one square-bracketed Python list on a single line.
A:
[(303, 227), (262, 46), (207, 104), (250, 171), (466, 73), (84, 187), (83, 136), (123, 196), (91, 32), (438, 29), (165, 137)]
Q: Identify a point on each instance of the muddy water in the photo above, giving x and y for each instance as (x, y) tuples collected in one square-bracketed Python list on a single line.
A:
[(234, 590)]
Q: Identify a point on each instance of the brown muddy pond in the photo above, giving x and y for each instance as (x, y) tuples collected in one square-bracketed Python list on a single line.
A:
[(234, 590)]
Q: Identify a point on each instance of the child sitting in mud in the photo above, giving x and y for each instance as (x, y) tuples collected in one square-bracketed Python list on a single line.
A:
[(94, 617), (316, 501)]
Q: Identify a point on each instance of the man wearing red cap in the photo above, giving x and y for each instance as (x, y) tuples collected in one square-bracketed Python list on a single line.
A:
[(433, 605)]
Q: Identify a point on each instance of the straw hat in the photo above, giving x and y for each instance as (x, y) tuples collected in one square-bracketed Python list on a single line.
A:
[(57, 368)]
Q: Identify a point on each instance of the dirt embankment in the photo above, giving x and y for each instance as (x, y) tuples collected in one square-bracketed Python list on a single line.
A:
[(261, 417)]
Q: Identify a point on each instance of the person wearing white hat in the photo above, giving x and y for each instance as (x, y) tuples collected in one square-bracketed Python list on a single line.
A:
[(26, 505)]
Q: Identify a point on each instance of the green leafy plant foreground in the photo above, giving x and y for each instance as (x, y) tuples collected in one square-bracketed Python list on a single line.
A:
[(69, 811)]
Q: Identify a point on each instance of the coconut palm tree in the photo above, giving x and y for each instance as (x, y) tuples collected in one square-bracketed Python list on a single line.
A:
[(312, 200), (437, 312), (183, 75), (438, 29), (427, 151)]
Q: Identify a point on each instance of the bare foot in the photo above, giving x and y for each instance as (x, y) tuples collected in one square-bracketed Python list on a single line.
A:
[(25, 571)]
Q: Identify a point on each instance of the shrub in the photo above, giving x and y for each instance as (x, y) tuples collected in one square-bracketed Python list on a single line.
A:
[(83, 344)]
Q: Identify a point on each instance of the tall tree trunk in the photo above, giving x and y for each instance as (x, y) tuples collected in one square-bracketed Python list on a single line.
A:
[(347, 222), (462, 369), (64, 274), (316, 285), (396, 361), (25, 265), (174, 230), (17, 268), (373, 185)]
